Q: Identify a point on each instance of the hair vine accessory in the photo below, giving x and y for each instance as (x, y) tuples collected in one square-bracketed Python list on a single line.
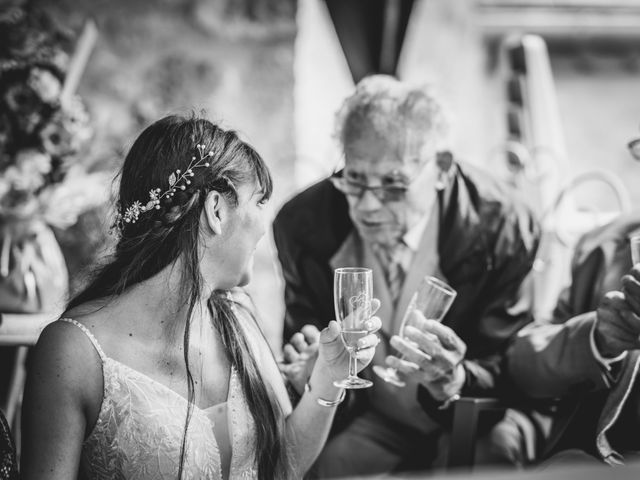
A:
[(178, 180)]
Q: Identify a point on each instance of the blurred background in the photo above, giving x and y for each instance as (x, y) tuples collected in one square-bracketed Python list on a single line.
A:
[(544, 93)]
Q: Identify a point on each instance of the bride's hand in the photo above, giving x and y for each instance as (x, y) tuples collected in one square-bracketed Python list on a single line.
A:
[(334, 355)]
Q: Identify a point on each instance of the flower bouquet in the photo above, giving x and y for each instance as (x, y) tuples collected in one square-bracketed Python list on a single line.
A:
[(44, 131)]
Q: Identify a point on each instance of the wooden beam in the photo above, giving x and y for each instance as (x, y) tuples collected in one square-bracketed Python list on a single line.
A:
[(79, 61)]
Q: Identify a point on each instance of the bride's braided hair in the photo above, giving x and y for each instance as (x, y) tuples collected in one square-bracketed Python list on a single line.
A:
[(170, 230)]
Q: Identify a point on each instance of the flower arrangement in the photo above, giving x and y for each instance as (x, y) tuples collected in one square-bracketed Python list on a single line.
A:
[(45, 131), (42, 132)]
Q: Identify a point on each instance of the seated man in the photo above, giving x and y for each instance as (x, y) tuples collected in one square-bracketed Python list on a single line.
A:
[(587, 355), (404, 208)]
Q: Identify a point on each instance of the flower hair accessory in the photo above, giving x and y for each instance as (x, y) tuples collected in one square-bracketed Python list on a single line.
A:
[(178, 180)]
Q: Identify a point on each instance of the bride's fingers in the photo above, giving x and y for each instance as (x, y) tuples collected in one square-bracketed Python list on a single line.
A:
[(367, 343), (371, 340), (375, 305), (366, 349), (290, 354), (298, 341), (311, 334), (373, 324), (364, 357)]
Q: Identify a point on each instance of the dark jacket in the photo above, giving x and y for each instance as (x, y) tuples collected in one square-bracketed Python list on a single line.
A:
[(487, 243), (8, 463), (554, 359)]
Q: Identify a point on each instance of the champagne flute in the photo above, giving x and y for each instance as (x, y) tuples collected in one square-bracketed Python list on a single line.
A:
[(634, 243), (352, 293), (433, 299)]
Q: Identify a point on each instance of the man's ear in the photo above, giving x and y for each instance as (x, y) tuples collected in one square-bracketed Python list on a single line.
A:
[(213, 211), (444, 160)]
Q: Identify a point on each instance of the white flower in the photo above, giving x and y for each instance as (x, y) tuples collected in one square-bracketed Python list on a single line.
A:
[(32, 160), (63, 203), (5, 186), (132, 213), (18, 181), (68, 129), (27, 174)]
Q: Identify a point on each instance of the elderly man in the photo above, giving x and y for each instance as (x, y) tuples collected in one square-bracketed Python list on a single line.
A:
[(588, 354), (403, 207)]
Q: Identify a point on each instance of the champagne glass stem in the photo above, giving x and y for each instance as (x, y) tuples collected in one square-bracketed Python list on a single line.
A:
[(353, 364)]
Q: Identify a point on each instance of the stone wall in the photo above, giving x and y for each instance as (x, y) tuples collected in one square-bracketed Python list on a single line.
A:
[(233, 59)]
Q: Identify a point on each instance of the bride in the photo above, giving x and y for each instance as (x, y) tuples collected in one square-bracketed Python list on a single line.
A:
[(158, 369)]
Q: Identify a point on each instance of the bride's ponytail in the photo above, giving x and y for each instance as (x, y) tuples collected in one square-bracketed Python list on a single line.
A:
[(271, 453)]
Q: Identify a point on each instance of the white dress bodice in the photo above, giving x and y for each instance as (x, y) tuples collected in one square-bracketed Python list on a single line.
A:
[(140, 427)]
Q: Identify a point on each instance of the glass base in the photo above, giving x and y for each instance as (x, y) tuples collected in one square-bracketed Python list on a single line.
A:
[(353, 383), (389, 375)]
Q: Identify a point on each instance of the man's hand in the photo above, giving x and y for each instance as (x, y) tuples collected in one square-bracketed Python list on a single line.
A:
[(432, 355), (631, 289), (617, 326), (300, 356)]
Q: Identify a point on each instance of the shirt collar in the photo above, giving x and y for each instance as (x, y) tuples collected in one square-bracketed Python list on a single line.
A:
[(413, 236)]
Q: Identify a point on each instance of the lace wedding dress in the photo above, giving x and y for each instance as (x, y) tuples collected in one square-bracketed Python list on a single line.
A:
[(139, 431)]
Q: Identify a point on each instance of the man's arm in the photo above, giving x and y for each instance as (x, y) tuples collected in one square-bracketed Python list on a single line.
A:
[(306, 231), (548, 360), (497, 311), (304, 296), (503, 305), (553, 357), (500, 317), (591, 328)]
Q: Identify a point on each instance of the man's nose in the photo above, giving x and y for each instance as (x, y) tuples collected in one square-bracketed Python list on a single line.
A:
[(368, 202)]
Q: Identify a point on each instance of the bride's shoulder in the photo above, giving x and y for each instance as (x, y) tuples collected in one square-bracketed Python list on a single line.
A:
[(72, 334), (64, 360), (83, 329)]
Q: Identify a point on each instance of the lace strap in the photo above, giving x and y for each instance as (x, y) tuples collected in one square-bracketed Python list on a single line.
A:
[(93, 339)]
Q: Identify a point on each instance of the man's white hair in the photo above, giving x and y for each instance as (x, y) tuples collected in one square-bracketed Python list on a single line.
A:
[(390, 106)]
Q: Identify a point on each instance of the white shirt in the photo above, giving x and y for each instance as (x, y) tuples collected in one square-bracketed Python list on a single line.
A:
[(413, 236)]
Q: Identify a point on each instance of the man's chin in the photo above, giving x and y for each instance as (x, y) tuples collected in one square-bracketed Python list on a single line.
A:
[(245, 279), (383, 240)]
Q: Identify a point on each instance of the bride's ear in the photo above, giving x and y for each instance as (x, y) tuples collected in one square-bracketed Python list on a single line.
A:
[(213, 206)]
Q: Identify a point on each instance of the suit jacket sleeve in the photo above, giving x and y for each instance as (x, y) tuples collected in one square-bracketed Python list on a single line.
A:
[(304, 289), (307, 231), (553, 358), (498, 309), (507, 310), (304, 250)]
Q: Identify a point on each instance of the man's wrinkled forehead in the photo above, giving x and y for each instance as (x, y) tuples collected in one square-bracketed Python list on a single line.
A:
[(380, 152)]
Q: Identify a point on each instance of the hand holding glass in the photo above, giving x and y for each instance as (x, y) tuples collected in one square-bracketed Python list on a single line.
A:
[(433, 299), (352, 293)]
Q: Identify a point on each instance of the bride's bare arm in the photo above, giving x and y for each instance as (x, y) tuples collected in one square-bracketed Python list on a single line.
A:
[(309, 424), (63, 390)]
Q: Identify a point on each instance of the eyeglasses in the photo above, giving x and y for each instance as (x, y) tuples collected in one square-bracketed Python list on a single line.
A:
[(384, 193), (634, 148)]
